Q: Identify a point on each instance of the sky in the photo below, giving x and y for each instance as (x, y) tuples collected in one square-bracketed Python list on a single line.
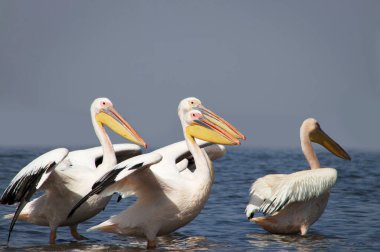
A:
[(265, 66)]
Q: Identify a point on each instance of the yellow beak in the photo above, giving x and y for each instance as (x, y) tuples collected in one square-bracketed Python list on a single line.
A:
[(320, 137), (115, 122), (214, 118), (212, 129)]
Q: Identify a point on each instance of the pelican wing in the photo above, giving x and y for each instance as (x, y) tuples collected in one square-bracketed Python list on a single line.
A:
[(186, 161), (261, 190), (31, 178), (92, 157), (272, 193), (178, 154), (176, 159), (108, 184)]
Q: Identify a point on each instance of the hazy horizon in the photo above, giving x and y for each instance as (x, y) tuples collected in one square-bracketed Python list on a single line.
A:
[(265, 66)]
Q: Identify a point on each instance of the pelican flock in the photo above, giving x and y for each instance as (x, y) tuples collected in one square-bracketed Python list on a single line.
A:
[(167, 199), (65, 176), (172, 184), (293, 202)]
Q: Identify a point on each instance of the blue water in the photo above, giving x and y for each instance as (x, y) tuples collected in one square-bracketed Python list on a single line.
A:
[(351, 221)]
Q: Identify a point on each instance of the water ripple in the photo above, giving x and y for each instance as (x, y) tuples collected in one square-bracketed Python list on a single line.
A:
[(351, 221)]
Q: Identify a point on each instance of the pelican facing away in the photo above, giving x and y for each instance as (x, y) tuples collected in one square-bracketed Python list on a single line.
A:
[(168, 198), (67, 176), (293, 202)]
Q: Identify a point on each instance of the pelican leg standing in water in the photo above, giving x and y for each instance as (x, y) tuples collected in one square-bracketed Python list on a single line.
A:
[(293, 202), (67, 176), (166, 198)]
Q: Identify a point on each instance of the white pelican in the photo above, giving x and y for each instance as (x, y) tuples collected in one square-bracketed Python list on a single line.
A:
[(166, 198), (293, 202), (67, 176)]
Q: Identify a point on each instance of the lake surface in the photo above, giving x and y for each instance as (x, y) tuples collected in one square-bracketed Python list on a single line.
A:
[(351, 221)]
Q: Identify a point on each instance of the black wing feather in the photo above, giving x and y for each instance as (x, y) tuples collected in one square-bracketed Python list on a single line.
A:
[(187, 154), (105, 181), (22, 191), (16, 191)]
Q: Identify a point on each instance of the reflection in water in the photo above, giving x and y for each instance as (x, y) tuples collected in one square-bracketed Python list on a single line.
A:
[(173, 242), (74, 246), (310, 242), (180, 242)]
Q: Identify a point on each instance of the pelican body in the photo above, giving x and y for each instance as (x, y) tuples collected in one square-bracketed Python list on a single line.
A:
[(169, 197), (68, 176), (293, 202)]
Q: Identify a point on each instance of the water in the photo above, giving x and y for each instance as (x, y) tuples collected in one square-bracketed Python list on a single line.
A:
[(351, 221)]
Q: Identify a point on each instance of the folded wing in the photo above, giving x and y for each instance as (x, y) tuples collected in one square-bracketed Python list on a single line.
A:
[(272, 193)]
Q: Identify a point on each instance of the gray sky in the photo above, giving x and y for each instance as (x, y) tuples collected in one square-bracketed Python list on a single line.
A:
[(263, 65)]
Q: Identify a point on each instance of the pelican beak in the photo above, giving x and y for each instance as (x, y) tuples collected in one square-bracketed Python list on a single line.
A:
[(110, 117), (211, 116), (212, 129), (320, 137)]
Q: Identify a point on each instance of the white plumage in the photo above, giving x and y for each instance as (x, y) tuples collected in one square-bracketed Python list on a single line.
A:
[(293, 202), (274, 192), (42, 166), (66, 177), (172, 192)]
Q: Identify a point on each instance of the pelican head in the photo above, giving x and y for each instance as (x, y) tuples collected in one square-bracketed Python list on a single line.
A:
[(198, 124), (317, 135), (104, 113), (191, 103)]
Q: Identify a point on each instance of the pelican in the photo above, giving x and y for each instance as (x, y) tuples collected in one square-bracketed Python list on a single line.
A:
[(65, 176), (293, 202), (168, 199)]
